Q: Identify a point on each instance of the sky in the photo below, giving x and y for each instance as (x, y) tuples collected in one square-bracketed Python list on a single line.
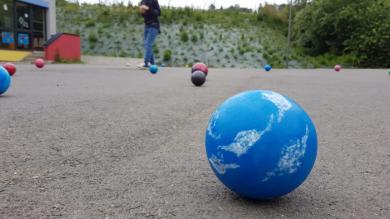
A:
[(202, 3)]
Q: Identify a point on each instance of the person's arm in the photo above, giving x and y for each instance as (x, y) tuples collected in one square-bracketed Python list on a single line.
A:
[(156, 10), (143, 8)]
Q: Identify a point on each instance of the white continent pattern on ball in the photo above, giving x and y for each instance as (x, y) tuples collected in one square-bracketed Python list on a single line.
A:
[(290, 158), (219, 166), (244, 140), (211, 125), (279, 101)]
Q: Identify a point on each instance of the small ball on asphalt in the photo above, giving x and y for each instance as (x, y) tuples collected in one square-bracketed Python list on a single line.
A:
[(40, 63), (200, 67), (198, 78), (5, 80), (337, 67), (267, 68), (261, 144), (11, 68), (153, 69)]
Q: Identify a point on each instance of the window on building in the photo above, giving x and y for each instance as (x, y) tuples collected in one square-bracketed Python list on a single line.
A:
[(23, 16), (38, 27), (23, 40), (38, 40), (7, 39), (23, 26)]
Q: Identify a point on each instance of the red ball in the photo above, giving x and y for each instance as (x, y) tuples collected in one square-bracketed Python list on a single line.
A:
[(39, 63), (200, 67), (11, 68), (337, 68)]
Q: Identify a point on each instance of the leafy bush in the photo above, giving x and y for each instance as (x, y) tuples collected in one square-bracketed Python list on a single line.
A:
[(194, 38), (339, 27), (167, 55), (92, 38), (122, 53), (155, 49), (273, 17), (139, 55), (100, 31), (90, 23), (184, 36)]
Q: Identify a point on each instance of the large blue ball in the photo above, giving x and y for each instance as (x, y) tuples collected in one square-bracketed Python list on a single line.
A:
[(5, 80), (261, 145), (267, 68), (153, 69)]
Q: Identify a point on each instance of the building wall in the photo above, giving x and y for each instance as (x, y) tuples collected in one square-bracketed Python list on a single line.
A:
[(23, 32), (51, 19)]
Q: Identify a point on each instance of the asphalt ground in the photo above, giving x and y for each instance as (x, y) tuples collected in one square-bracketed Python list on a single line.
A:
[(108, 141)]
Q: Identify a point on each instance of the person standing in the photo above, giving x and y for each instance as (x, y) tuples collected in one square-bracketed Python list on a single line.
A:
[(150, 10)]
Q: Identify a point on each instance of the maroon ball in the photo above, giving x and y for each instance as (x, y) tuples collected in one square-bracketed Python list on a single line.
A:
[(337, 68), (39, 63), (11, 68), (200, 67)]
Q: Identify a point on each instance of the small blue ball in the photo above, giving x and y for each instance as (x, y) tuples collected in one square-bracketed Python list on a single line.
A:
[(153, 69), (261, 145), (267, 68), (5, 80)]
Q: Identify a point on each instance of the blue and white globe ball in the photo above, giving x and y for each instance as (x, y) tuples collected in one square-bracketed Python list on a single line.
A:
[(153, 69), (267, 68), (261, 144), (5, 80)]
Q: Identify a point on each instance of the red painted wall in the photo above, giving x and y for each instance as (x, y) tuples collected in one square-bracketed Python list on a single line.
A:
[(67, 46)]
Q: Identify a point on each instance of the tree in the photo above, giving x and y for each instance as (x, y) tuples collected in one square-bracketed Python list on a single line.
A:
[(340, 27)]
